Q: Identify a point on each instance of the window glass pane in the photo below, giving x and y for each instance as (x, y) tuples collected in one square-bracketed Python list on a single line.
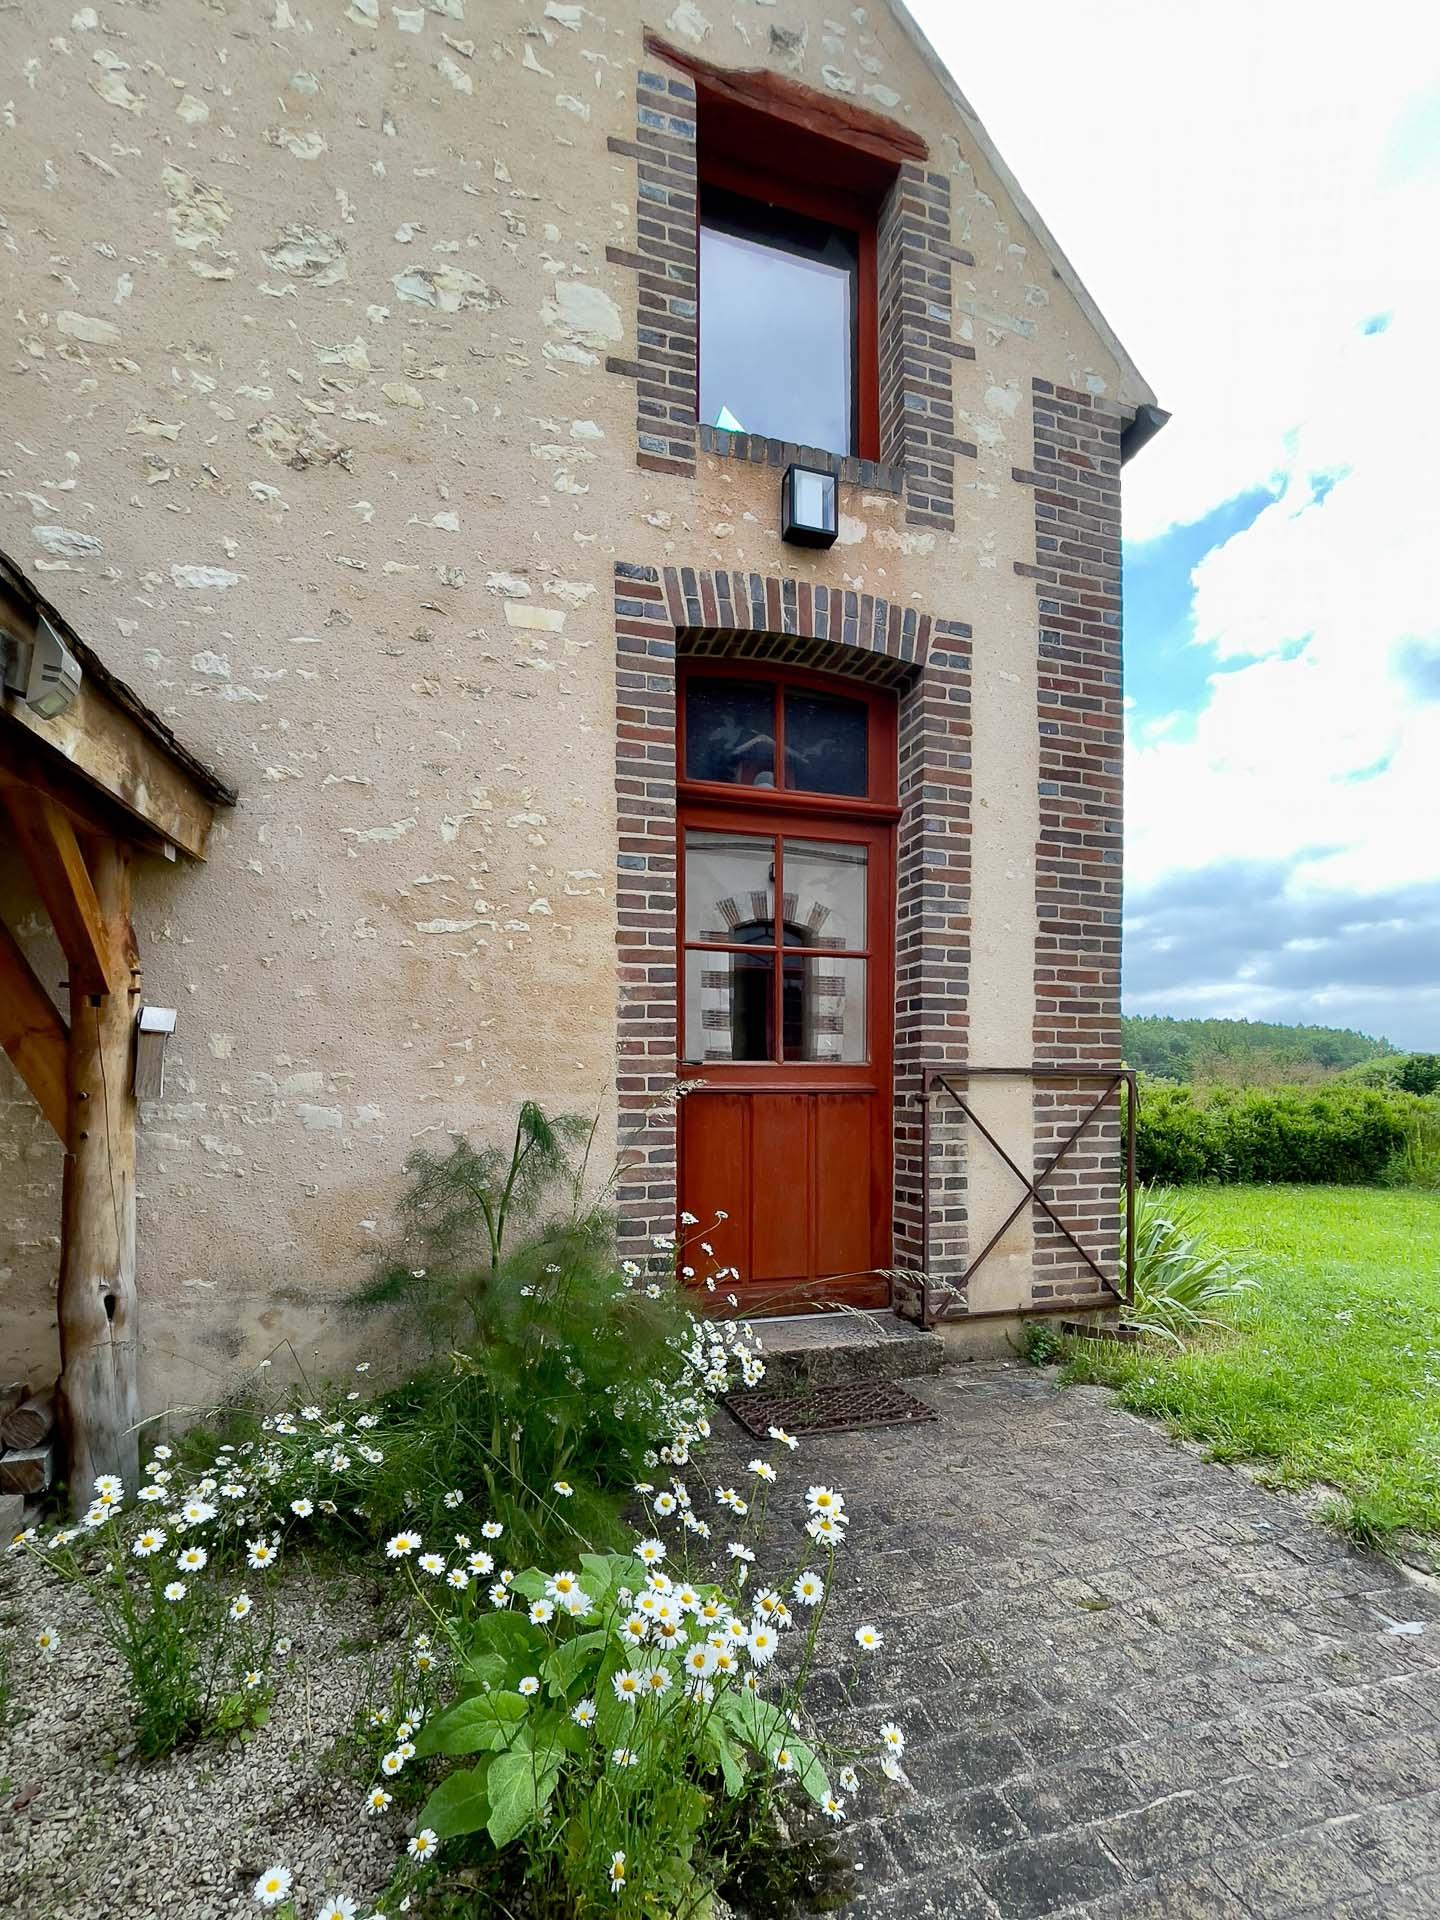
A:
[(730, 732), (824, 1008), (826, 742), (775, 340), (729, 1006), (825, 893), (729, 887)]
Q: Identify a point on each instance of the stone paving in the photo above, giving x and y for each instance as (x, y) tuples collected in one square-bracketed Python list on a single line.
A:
[(1132, 1682)]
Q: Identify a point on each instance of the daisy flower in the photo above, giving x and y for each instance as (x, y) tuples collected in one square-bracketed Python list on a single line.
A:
[(391, 1763), (260, 1553), (652, 1552), (432, 1563), (458, 1578), (627, 1684), (454, 1497), (400, 1544), (424, 1844), (560, 1586), (528, 1686), (762, 1470), (175, 1590), (152, 1492), (868, 1639), (564, 1489), (406, 1749), (635, 1629), (492, 1530), (808, 1589), (499, 1594), (541, 1611), (339, 1907), (192, 1559), (377, 1800), (110, 1483), (617, 1871), (785, 1439), (240, 1606), (832, 1808), (47, 1639), (849, 1779), (892, 1738), (657, 1681), (272, 1886), (253, 1679), (738, 1552), (700, 1662), (784, 1760), (302, 1508), (665, 1504), (625, 1757), (762, 1644), (825, 1500), (583, 1713), (891, 1768), (480, 1563), (148, 1542)]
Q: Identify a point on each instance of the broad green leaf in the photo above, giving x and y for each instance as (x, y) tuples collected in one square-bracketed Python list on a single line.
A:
[(519, 1785), (761, 1725), (569, 1659), (731, 1767), (502, 1631), (484, 1672), (480, 1724), (531, 1583), (459, 1804), (809, 1772), (597, 1570)]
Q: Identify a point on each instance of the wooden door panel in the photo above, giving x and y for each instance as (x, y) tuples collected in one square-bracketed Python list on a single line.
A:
[(780, 1158), (843, 1182), (715, 1175)]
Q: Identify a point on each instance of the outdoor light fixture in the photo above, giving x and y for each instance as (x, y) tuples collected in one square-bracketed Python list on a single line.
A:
[(809, 516), (152, 1030), (43, 671)]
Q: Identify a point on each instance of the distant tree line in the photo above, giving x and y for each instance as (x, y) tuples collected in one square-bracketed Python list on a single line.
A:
[(1250, 1053)]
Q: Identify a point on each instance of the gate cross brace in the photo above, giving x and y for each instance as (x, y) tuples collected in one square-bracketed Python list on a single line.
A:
[(1031, 1185)]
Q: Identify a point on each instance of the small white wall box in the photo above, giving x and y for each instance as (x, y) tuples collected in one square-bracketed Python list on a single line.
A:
[(43, 671), (155, 1027)]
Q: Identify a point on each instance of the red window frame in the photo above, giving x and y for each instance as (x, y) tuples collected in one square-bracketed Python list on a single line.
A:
[(834, 208)]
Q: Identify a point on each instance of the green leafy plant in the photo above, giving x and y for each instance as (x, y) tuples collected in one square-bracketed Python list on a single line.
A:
[(1417, 1162), (1334, 1135), (1180, 1278), (1041, 1344)]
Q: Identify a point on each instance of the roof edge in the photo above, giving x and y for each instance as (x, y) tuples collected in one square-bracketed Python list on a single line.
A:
[(218, 791), (1136, 389)]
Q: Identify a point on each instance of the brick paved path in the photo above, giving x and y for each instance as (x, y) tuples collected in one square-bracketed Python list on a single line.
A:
[(1132, 1682)]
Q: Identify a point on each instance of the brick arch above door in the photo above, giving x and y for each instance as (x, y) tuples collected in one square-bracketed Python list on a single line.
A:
[(663, 613)]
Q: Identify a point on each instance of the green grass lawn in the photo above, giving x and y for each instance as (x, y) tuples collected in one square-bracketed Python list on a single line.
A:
[(1332, 1375)]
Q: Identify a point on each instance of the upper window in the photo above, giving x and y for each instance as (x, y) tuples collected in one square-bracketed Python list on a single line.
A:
[(779, 312), (789, 733)]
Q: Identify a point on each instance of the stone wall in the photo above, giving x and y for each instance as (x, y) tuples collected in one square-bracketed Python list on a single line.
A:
[(312, 428)]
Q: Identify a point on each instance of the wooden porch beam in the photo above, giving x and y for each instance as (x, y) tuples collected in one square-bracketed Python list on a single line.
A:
[(32, 1031), (61, 878)]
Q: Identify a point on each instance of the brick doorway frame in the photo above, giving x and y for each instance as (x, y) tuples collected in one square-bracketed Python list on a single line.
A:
[(661, 613)]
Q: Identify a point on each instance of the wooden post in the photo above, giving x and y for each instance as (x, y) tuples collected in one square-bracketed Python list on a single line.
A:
[(98, 1395)]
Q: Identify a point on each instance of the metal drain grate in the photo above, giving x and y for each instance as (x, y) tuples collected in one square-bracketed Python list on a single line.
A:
[(847, 1407)]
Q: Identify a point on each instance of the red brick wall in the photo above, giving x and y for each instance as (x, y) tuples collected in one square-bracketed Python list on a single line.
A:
[(1076, 478)]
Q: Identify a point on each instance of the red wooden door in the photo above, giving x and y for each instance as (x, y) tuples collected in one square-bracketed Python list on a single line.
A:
[(786, 936)]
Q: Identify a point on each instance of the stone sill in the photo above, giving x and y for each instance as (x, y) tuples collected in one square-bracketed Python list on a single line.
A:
[(758, 451)]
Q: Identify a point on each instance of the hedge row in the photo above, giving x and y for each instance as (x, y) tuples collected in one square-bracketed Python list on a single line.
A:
[(1339, 1135)]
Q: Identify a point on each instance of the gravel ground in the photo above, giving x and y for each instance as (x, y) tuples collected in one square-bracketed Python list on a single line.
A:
[(88, 1831)]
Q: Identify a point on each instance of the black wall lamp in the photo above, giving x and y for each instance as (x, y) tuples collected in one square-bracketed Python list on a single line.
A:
[(809, 516)]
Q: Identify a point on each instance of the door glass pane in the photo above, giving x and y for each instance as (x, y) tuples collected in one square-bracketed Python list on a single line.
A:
[(730, 732), (824, 1008), (825, 893), (729, 1006), (776, 325), (729, 887), (825, 743)]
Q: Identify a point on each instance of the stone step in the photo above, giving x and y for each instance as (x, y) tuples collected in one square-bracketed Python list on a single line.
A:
[(819, 1349)]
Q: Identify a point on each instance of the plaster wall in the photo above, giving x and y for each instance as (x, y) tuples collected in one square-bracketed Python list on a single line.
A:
[(307, 428)]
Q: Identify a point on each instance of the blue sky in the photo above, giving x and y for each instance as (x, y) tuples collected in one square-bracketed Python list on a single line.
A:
[(1258, 222)]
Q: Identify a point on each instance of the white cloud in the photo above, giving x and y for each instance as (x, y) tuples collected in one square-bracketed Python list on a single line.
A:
[(1318, 742)]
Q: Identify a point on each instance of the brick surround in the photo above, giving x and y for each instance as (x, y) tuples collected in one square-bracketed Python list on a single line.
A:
[(916, 257), (662, 613), (1076, 478)]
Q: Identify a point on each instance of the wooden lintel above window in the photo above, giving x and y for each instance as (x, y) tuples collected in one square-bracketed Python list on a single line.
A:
[(827, 117)]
